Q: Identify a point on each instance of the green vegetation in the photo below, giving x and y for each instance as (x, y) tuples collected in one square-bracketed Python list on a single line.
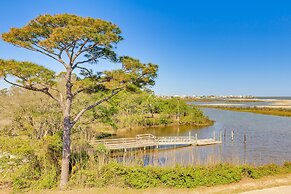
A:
[(39, 116), (88, 172), (266, 111), (31, 132), (139, 177), (145, 109), (31, 149), (50, 117), (76, 44)]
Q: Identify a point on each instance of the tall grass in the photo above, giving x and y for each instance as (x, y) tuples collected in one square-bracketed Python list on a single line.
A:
[(266, 111)]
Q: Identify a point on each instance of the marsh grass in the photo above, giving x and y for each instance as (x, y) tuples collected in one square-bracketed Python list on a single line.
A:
[(266, 111)]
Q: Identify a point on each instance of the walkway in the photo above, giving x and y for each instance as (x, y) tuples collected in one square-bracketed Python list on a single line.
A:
[(149, 140)]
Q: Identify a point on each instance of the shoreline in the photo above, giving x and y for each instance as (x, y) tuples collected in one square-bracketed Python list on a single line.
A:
[(257, 110), (273, 104), (121, 131)]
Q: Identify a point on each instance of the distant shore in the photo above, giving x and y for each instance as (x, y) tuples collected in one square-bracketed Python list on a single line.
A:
[(286, 112), (273, 103)]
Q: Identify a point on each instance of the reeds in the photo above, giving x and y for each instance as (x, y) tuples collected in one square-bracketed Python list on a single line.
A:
[(186, 156)]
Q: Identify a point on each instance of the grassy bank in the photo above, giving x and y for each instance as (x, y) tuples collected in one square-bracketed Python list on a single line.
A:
[(173, 177), (246, 184), (138, 177), (266, 111)]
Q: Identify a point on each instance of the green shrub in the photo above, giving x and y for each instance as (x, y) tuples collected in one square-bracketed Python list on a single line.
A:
[(48, 180), (141, 178), (190, 177), (24, 177)]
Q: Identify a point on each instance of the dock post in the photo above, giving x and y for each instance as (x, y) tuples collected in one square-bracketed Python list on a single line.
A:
[(224, 134), (232, 135), (220, 136), (245, 137), (196, 138), (214, 135), (189, 136)]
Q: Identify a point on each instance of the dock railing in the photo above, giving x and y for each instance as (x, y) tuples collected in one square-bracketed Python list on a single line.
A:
[(149, 140)]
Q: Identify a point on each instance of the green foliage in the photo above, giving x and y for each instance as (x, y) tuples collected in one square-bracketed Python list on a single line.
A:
[(101, 149), (139, 177), (47, 180), (141, 109), (30, 163), (146, 109), (190, 177), (138, 70), (73, 42), (266, 170), (37, 116), (27, 73), (53, 31), (32, 139)]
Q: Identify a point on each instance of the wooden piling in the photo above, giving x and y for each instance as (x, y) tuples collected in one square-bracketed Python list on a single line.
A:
[(245, 137), (232, 135), (220, 135), (214, 135)]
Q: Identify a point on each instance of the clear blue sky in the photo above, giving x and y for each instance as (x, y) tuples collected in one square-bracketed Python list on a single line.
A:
[(202, 47)]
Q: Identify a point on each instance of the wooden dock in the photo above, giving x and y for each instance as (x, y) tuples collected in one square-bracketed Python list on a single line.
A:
[(151, 141)]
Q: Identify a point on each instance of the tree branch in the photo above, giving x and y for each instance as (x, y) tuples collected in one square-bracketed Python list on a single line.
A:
[(83, 89), (80, 90), (80, 50), (47, 53), (43, 90), (94, 105), (58, 91), (72, 52), (86, 61), (85, 69)]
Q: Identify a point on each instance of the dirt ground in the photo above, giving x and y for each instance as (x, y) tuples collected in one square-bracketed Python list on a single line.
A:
[(273, 190)]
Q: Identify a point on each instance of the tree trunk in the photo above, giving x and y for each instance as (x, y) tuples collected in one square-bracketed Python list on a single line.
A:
[(67, 132), (66, 153)]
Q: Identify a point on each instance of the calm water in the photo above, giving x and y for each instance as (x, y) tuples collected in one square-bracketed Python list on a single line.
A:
[(268, 141)]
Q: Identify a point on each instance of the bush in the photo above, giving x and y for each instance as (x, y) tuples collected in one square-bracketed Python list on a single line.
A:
[(191, 177), (48, 180), (141, 178)]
